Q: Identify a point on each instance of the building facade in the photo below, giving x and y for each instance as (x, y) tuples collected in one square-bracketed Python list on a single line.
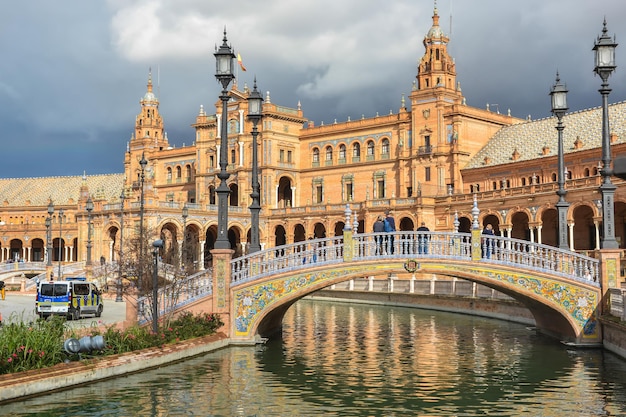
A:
[(427, 162)]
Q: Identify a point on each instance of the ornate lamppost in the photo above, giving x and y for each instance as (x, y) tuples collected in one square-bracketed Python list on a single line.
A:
[(183, 260), (604, 49), (49, 237), (255, 103), (156, 245), (143, 164), (225, 59), (89, 208), (118, 292), (558, 93), (60, 241)]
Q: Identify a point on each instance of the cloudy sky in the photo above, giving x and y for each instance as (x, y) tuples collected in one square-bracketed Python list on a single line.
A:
[(72, 72)]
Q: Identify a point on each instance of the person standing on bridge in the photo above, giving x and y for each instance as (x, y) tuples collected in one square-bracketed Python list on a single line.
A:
[(390, 226), (488, 241), (422, 239), (379, 229)]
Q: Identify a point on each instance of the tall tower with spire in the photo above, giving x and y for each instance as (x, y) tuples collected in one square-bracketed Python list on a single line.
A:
[(149, 133), (436, 70)]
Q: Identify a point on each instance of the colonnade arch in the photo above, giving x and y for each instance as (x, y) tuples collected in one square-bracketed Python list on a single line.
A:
[(284, 197)]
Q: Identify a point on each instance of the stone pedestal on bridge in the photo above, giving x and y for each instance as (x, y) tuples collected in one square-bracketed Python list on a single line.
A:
[(609, 274), (221, 300)]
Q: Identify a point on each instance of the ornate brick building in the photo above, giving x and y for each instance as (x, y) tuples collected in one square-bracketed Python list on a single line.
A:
[(425, 162)]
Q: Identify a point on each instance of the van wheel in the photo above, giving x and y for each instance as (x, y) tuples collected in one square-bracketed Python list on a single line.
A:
[(99, 312)]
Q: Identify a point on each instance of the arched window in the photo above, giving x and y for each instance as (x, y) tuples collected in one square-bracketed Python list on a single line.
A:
[(370, 150), (169, 174), (342, 152), (554, 176), (316, 156), (233, 156), (188, 172), (178, 172), (356, 151), (384, 148), (329, 154)]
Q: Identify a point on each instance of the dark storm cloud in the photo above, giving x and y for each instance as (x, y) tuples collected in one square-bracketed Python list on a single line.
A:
[(72, 72)]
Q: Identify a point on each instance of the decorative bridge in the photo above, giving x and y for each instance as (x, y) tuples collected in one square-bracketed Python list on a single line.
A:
[(564, 290)]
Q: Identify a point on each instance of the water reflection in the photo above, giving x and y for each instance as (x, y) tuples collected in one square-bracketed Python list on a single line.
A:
[(353, 360)]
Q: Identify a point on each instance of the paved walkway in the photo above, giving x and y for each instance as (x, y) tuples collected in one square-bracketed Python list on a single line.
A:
[(21, 307)]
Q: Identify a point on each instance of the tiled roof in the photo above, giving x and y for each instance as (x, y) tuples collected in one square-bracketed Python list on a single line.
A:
[(62, 190), (531, 137)]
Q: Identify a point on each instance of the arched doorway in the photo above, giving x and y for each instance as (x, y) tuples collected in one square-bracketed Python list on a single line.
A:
[(209, 245), (284, 197), (465, 225), (339, 226), (319, 231), (234, 194), (299, 234), (520, 229), (169, 252), (280, 236), (493, 220), (37, 250), (584, 228), (549, 235), (406, 224)]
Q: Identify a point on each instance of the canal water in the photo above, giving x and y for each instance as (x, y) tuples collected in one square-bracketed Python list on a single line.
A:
[(358, 360)]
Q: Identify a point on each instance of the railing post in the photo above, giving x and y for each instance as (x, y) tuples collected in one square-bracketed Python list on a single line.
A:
[(609, 274), (221, 300), (348, 245), (476, 245)]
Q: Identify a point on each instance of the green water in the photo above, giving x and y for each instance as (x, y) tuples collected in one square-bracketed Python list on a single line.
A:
[(354, 360)]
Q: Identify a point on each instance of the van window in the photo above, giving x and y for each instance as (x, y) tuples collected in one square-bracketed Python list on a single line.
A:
[(51, 290), (81, 289)]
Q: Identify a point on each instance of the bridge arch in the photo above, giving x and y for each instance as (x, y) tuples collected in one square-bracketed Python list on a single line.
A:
[(562, 289), (540, 293)]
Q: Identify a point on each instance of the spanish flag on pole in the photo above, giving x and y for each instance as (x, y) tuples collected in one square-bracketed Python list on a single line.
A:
[(240, 62)]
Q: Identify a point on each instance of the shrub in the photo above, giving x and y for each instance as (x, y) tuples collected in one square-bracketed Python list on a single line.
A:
[(26, 346)]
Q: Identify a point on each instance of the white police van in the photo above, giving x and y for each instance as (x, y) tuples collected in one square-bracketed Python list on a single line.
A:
[(72, 298)]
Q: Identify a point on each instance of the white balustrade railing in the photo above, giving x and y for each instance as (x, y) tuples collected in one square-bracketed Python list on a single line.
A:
[(293, 257), (539, 257), (176, 295), (408, 244)]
